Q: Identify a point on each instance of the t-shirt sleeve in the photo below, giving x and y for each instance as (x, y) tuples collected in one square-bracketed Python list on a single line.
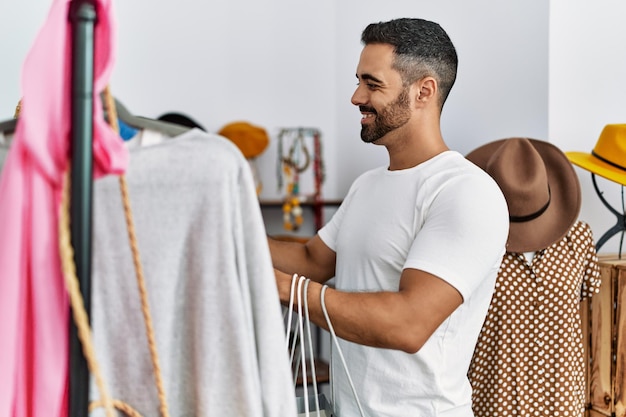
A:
[(464, 233), (329, 232)]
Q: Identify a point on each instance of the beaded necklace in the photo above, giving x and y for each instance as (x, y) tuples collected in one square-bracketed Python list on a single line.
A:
[(295, 162)]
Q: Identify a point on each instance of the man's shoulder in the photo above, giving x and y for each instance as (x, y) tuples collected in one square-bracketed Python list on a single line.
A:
[(453, 169), (469, 187)]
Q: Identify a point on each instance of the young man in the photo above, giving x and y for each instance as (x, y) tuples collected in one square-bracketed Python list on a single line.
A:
[(416, 245)]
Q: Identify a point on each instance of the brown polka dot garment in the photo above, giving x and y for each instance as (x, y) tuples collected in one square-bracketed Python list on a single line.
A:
[(529, 357)]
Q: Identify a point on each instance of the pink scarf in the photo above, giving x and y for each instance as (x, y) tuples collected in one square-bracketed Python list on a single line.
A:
[(34, 306)]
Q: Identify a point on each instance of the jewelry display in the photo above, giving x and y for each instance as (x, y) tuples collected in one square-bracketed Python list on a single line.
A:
[(291, 164)]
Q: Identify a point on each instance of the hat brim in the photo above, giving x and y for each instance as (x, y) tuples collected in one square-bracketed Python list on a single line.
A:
[(565, 199), (596, 166)]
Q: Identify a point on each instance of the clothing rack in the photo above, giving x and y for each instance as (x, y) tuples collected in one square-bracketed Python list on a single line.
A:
[(82, 16)]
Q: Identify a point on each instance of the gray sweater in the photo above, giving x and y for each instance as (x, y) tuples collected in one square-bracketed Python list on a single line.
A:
[(215, 309)]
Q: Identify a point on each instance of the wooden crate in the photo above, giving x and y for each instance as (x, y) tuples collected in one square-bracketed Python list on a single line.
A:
[(591, 413), (604, 318)]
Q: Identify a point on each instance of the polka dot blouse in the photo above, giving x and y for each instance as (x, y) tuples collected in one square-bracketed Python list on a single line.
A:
[(529, 359)]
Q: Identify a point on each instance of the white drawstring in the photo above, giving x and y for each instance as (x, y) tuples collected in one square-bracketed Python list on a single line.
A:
[(302, 291), (310, 343), (302, 349), (334, 337), (290, 309)]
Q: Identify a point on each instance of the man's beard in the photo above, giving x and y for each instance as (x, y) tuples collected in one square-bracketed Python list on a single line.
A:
[(391, 117)]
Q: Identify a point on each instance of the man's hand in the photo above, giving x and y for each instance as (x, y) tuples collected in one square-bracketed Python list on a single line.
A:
[(283, 284)]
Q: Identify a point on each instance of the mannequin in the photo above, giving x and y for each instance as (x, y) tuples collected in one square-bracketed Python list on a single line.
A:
[(529, 357)]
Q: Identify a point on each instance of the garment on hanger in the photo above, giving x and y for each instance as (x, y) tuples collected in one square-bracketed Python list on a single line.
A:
[(212, 292), (529, 359), (210, 281), (126, 132), (33, 301)]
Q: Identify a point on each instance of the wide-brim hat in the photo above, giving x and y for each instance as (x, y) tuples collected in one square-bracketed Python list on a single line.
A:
[(540, 186), (608, 157)]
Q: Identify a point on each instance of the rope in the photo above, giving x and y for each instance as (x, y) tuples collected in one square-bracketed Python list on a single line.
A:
[(76, 301), (120, 405), (18, 109), (111, 110), (141, 282), (145, 308)]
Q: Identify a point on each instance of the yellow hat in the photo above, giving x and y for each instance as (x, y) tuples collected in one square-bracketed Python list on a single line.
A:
[(251, 140), (608, 157)]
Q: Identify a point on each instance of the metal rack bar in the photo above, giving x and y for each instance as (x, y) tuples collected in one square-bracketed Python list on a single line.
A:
[(82, 15)]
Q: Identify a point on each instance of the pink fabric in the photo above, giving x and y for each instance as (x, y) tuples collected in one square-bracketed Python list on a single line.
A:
[(34, 306)]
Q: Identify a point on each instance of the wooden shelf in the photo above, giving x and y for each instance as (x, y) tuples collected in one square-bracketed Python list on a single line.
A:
[(308, 203)]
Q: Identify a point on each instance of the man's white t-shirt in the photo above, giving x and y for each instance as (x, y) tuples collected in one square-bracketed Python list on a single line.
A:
[(449, 218)]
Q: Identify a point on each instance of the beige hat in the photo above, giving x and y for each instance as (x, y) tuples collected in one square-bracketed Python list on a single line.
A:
[(540, 186)]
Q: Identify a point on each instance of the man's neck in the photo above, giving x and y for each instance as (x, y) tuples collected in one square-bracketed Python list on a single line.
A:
[(411, 148)]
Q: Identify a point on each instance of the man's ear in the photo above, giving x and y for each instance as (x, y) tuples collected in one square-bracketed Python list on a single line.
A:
[(425, 91)]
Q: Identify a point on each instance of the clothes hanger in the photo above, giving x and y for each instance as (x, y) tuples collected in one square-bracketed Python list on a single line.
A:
[(139, 122), (8, 126)]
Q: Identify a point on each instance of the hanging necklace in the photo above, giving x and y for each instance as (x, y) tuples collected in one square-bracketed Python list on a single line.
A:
[(297, 160), (292, 167)]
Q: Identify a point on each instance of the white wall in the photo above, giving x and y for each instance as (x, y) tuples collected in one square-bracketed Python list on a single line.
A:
[(587, 92), (281, 63), (501, 89), (548, 70)]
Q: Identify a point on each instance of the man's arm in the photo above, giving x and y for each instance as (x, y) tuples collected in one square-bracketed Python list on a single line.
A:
[(312, 259), (402, 320)]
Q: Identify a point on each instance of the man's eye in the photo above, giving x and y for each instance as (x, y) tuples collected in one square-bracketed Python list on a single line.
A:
[(369, 85)]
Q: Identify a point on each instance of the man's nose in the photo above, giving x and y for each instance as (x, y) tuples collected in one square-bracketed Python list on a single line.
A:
[(359, 97)]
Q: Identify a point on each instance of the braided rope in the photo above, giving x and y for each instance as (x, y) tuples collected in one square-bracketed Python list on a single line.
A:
[(109, 105), (76, 299), (141, 282), (120, 405), (18, 109), (145, 308)]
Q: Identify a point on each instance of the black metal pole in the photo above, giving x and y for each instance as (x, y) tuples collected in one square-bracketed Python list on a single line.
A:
[(82, 15), (620, 225)]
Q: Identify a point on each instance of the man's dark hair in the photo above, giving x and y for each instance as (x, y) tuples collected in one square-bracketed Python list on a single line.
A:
[(422, 48)]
